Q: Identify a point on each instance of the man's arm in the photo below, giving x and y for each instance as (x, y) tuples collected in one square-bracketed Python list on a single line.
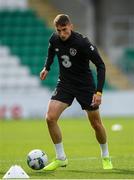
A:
[(50, 57), (100, 66), (92, 54), (49, 61)]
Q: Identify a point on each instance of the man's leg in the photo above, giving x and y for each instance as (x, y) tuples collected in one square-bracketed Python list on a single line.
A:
[(55, 108), (100, 132)]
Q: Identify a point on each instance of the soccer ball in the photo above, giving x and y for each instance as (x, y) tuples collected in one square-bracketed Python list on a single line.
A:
[(37, 159)]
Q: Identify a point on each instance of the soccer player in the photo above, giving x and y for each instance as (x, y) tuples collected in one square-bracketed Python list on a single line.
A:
[(74, 53)]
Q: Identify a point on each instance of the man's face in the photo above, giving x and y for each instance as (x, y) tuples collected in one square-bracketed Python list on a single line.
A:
[(64, 32)]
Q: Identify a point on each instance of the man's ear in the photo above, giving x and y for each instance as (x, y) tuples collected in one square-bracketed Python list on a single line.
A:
[(72, 27)]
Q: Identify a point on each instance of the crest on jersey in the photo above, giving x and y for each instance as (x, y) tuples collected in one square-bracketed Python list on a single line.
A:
[(73, 51)]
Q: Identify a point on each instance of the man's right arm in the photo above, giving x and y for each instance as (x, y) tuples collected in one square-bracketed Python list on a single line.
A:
[(49, 61), (50, 57)]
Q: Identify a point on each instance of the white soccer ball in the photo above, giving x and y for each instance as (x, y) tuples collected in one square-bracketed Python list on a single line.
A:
[(37, 159)]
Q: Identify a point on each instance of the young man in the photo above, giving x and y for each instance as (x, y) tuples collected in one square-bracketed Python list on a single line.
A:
[(74, 53)]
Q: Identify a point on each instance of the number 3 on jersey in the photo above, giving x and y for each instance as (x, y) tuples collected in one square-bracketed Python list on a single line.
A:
[(66, 61)]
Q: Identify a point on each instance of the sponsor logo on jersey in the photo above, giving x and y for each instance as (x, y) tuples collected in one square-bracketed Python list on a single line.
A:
[(92, 48), (73, 51)]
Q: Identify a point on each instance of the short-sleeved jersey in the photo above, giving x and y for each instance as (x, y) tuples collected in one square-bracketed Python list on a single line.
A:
[(74, 56)]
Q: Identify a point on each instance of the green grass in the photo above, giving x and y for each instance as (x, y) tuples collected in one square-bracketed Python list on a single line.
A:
[(17, 138)]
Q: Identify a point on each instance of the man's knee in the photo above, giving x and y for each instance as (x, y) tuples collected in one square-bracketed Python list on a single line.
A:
[(50, 118)]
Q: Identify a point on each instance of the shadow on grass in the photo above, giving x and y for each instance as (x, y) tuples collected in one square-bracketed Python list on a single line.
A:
[(117, 171), (123, 171), (80, 173), (2, 173), (41, 173)]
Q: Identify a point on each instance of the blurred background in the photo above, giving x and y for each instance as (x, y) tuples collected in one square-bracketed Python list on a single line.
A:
[(25, 28)]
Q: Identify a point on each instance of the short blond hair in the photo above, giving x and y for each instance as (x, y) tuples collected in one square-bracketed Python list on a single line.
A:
[(62, 20)]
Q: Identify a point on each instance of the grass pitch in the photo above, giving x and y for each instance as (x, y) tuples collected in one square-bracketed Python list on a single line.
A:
[(17, 138)]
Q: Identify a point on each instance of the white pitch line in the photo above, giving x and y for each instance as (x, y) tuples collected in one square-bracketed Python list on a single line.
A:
[(82, 158), (71, 159), (92, 158)]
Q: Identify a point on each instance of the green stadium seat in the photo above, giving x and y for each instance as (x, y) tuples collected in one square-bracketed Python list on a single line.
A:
[(126, 62), (27, 36)]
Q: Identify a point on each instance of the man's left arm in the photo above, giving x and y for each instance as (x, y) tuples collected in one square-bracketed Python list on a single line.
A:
[(100, 66), (101, 70), (92, 54)]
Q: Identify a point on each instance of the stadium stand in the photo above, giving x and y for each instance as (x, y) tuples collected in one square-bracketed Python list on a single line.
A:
[(13, 4), (45, 10), (13, 76), (126, 61), (27, 36), (24, 35), (115, 76)]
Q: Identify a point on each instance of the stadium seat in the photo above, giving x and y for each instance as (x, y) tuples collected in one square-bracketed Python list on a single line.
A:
[(13, 4), (27, 36), (13, 75), (4, 51), (127, 60)]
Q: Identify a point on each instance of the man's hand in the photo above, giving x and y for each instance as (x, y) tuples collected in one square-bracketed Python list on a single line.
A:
[(43, 74), (96, 101)]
